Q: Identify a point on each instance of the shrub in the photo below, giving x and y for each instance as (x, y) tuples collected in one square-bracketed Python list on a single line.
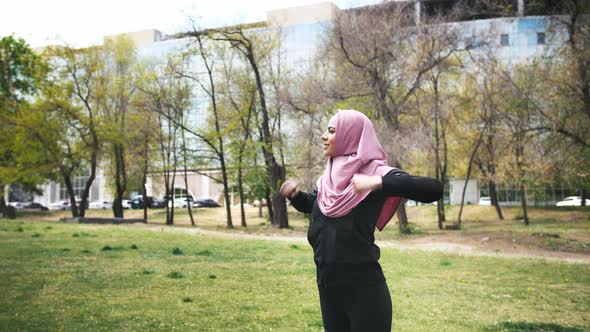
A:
[(204, 253), (177, 251), (175, 275)]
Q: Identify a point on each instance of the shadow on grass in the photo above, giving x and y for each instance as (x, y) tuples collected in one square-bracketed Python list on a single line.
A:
[(531, 327)]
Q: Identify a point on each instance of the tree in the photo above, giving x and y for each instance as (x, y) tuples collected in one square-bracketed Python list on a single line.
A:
[(489, 90), (159, 96), (208, 60), (438, 92), (116, 86), (386, 55), (246, 45), (144, 131), (22, 72), (238, 93), (74, 93)]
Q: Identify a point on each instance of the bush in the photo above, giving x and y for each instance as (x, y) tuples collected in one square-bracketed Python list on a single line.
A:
[(177, 251), (175, 275)]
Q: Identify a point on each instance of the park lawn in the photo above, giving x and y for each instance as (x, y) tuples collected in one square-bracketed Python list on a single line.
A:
[(73, 277)]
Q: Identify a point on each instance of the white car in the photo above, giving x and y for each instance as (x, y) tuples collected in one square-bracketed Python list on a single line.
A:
[(182, 202), (126, 203), (486, 200), (101, 205), (60, 205), (572, 201)]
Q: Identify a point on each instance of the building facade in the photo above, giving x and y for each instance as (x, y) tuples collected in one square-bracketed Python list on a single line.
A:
[(516, 39)]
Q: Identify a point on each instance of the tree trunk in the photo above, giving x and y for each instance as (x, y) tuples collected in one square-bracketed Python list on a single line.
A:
[(144, 182), (278, 210), (469, 166), (170, 216), (519, 164), (241, 190), (402, 218), (440, 208), (88, 184), (188, 204), (72, 196), (120, 180), (584, 196), (229, 223), (269, 207), (494, 199), (3, 210), (523, 204)]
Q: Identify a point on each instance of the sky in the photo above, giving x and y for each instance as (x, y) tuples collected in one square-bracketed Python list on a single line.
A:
[(81, 23)]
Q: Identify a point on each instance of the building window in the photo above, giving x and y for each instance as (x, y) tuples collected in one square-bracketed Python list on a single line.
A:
[(504, 40), (78, 185), (182, 193), (540, 38)]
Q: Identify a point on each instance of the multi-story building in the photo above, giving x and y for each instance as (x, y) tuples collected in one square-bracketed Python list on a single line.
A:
[(517, 35)]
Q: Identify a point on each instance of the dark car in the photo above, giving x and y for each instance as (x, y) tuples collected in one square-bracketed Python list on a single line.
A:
[(137, 202), (29, 206), (205, 203), (36, 206), (158, 203)]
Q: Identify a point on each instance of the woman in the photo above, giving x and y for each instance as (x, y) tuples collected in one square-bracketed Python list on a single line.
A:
[(357, 192)]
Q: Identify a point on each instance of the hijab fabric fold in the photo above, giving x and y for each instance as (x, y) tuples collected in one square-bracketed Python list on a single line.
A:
[(358, 151)]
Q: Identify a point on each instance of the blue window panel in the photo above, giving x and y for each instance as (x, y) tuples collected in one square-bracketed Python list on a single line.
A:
[(525, 25)]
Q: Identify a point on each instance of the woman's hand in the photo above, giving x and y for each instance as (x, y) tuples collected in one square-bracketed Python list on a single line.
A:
[(289, 189), (362, 182)]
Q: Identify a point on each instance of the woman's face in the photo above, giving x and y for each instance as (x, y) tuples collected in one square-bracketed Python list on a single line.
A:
[(329, 138)]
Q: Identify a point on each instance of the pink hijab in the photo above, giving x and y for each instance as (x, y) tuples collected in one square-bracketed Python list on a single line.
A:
[(358, 151)]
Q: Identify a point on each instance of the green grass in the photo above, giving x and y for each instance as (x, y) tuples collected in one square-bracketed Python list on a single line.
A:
[(60, 282)]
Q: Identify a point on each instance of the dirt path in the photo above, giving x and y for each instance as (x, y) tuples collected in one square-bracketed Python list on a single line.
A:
[(467, 247)]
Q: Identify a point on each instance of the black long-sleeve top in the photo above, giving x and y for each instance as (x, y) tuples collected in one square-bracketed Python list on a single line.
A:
[(344, 248)]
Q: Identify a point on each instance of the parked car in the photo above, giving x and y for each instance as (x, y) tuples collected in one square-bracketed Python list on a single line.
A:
[(206, 203), (159, 203), (572, 201), (486, 200), (35, 206), (17, 205), (101, 205), (183, 202), (126, 203), (30, 206), (60, 205), (137, 202)]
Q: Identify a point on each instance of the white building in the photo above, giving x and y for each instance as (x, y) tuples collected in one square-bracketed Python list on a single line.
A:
[(518, 39)]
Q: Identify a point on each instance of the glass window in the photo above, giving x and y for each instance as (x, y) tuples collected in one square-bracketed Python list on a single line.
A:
[(540, 38), (180, 192), (78, 185), (504, 40)]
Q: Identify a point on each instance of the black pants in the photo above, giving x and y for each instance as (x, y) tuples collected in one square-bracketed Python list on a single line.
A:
[(366, 308)]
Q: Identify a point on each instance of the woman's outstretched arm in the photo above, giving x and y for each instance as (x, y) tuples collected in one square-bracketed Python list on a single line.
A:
[(401, 184), (418, 188)]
